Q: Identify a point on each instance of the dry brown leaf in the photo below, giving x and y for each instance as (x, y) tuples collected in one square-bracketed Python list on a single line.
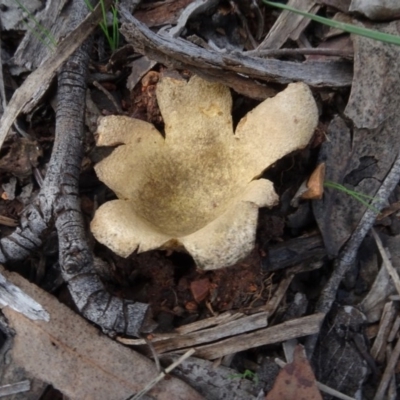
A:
[(162, 13), (200, 289), (315, 184), (75, 358), (296, 381), (197, 188)]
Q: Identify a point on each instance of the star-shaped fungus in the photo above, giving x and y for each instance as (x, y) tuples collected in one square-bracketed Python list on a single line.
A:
[(197, 188)]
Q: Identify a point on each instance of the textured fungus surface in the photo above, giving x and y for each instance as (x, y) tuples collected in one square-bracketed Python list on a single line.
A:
[(196, 189)]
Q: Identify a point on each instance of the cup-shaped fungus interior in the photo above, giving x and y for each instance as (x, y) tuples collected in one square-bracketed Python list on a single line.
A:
[(191, 178), (179, 197), (195, 187)]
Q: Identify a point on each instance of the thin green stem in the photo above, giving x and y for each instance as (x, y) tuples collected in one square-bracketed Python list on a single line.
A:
[(369, 33), (113, 40), (115, 25), (43, 32), (356, 195)]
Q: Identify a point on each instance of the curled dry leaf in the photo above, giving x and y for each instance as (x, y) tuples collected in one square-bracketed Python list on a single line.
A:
[(197, 188), (315, 184)]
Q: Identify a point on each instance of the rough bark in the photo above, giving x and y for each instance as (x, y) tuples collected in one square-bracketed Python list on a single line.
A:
[(228, 67), (58, 205)]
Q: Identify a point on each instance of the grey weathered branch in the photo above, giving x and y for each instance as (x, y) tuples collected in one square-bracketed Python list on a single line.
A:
[(348, 255), (58, 205), (36, 84), (179, 53)]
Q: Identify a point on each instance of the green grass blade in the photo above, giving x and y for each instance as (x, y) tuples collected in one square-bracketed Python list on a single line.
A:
[(104, 26), (338, 186), (115, 25), (42, 30), (113, 39), (356, 195), (89, 5), (369, 33)]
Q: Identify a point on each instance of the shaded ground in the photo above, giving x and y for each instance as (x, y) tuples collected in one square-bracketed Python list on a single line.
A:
[(310, 255)]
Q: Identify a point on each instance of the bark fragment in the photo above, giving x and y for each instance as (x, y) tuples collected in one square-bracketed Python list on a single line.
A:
[(58, 203)]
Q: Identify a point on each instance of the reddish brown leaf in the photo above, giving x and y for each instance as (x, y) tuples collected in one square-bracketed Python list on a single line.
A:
[(162, 13), (200, 289), (296, 381), (315, 185)]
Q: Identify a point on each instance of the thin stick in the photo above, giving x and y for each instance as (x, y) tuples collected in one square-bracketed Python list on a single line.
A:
[(160, 376), (109, 96), (14, 388), (389, 371), (36, 83), (293, 52), (348, 254), (386, 262)]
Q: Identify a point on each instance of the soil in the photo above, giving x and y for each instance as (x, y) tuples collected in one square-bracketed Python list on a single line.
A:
[(178, 293)]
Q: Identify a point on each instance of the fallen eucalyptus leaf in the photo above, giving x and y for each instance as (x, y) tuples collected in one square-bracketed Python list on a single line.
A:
[(296, 380), (71, 355), (197, 188), (377, 9)]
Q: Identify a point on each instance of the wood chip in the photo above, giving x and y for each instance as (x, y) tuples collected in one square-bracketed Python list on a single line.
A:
[(162, 375), (14, 388), (237, 327), (67, 350), (279, 333), (289, 25), (6, 221), (13, 297), (385, 325), (208, 322), (394, 330), (389, 371), (386, 261)]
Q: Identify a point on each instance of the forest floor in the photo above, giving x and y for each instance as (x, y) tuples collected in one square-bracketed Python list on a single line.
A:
[(310, 312)]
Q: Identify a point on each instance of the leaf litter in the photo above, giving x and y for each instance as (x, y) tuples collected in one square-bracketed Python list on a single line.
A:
[(263, 306)]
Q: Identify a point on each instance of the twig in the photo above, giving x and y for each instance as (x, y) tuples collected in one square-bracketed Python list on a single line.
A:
[(293, 52), (160, 376), (386, 262), (191, 10), (291, 329), (14, 388), (183, 54), (109, 96), (3, 100), (60, 202), (389, 371), (348, 255), (154, 354), (13, 297), (6, 221), (378, 349), (58, 205), (37, 82)]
